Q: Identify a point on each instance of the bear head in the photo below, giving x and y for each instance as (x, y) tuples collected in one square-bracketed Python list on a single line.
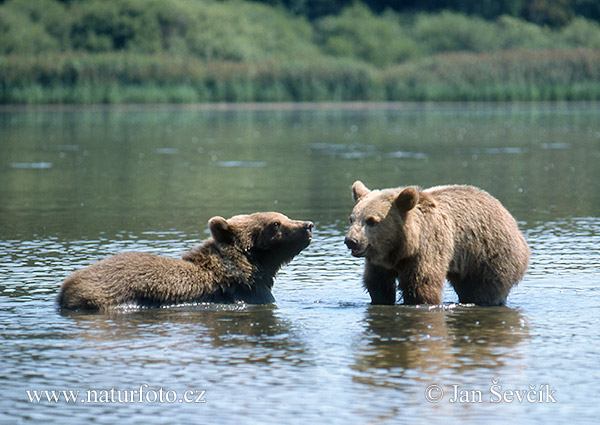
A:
[(271, 239), (384, 224)]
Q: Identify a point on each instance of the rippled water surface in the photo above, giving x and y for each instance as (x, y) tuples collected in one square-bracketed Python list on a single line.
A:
[(79, 185)]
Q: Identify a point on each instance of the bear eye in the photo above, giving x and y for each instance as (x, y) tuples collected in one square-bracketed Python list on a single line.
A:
[(276, 224), (371, 221)]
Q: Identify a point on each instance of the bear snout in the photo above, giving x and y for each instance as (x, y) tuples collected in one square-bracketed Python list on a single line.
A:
[(309, 226), (351, 242), (355, 247), (303, 232)]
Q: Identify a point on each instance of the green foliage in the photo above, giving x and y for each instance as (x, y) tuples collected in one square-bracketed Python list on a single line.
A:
[(449, 31), (581, 33), (107, 25), (51, 15), (126, 78), (241, 31), (244, 31), (20, 34), (119, 51), (517, 33), (232, 30), (501, 76), (358, 33)]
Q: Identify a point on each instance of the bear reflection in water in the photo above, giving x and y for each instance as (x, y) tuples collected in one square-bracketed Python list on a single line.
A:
[(405, 340), (247, 332)]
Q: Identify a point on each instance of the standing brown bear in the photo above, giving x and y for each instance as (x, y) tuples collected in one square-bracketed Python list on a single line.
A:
[(238, 263), (423, 237)]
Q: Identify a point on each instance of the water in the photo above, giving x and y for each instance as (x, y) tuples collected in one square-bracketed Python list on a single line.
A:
[(78, 185)]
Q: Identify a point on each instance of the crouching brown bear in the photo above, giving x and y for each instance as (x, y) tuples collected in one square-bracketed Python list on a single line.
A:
[(238, 263), (421, 238)]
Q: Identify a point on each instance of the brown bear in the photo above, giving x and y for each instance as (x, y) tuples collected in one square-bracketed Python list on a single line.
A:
[(421, 238), (237, 264)]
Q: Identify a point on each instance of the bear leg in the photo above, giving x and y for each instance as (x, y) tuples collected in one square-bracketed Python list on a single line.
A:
[(424, 284), (381, 284), (423, 292), (488, 292)]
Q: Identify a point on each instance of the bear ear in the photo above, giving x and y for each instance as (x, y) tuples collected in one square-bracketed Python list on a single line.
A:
[(359, 190), (221, 230), (407, 199)]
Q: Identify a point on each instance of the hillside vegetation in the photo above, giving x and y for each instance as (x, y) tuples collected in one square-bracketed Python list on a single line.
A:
[(124, 51)]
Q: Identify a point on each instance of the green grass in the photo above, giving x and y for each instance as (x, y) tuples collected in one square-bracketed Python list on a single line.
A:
[(126, 78), (500, 76)]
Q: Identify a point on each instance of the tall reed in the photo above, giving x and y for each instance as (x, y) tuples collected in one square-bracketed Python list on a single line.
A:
[(113, 78)]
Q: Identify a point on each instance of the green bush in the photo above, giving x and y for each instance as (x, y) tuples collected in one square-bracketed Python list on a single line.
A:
[(517, 33), (175, 21), (50, 14), (581, 33), (241, 31), (109, 25), (358, 33), (233, 30), (245, 31), (449, 31), (19, 34)]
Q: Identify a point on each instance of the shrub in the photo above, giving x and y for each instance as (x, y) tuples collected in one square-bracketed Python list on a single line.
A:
[(357, 33), (108, 25), (448, 31), (19, 34), (50, 14), (517, 33), (241, 31), (581, 33)]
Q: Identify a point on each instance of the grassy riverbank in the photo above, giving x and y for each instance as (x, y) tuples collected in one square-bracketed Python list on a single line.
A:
[(176, 51), (125, 78)]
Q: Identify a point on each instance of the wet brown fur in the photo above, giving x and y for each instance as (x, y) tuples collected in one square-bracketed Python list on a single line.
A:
[(238, 263), (423, 237)]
